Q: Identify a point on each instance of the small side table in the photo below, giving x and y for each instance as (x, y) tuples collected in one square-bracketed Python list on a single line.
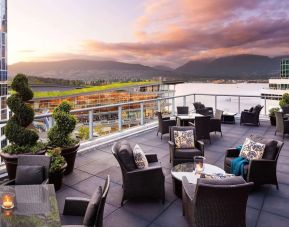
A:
[(228, 118)]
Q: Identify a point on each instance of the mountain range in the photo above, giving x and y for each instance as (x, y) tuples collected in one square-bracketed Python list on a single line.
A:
[(232, 67)]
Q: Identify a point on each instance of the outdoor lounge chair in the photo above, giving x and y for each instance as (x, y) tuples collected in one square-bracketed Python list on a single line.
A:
[(164, 124)]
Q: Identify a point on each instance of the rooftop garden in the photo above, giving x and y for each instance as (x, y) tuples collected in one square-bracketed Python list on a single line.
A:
[(114, 85)]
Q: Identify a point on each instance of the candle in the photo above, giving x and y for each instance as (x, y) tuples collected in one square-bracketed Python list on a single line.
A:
[(199, 167), (199, 164), (8, 201)]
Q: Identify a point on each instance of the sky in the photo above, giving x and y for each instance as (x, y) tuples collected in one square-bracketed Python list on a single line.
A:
[(150, 32)]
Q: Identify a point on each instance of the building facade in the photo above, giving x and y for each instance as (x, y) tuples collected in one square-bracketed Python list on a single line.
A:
[(3, 70), (277, 87)]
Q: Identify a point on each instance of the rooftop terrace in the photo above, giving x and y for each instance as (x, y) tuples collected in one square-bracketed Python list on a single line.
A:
[(266, 206)]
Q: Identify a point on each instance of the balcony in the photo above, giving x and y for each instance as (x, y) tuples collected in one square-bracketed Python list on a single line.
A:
[(266, 206)]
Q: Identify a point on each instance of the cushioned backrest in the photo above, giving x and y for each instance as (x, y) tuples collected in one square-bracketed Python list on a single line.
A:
[(29, 175), (198, 105), (178, 128), (218, 114), (92, 208), (226, 181), (182, 109), (124, 153), (270, 146), (257, 109)]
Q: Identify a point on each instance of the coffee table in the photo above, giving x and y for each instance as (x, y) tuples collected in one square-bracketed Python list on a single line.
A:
[(187, 169), (182, 118), (228, 118)]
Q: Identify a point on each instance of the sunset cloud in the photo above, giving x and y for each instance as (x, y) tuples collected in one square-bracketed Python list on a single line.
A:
[(173, 32)]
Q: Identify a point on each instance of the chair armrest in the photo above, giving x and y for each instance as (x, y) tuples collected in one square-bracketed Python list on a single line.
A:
[(75, 206), (169, 123), (9, 182), (188, 189), (200, 145), (248, 113), (149, 170), (232, 152), (151, 157), (45, 181), (166, 118), (261, 169), (191, 124), (209, 108)]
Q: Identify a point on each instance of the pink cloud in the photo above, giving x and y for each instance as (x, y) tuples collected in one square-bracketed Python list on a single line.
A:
[(172, 32)]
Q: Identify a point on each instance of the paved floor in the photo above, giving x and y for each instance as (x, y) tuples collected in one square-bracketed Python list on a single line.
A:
[(266, 206)]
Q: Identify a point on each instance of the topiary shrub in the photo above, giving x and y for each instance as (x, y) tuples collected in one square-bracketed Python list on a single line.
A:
[(60, 134), (22, 139), (284, 102)]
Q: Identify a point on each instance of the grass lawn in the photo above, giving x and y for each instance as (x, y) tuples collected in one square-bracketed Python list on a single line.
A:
[(42, 94)]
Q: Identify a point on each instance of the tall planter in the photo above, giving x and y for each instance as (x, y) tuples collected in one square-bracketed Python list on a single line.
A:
[(69, 154), (60, 134), (55, 178), (23, 139)]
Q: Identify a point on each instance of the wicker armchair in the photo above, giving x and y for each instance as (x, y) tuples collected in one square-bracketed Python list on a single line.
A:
[(282, 125), (164, 124), (182, 110), (91, 209), (260, 171), (147, 182), (177, 155), (201, 109), (202, 127), (216, 202), (216, 122), (251, 116), (28, 164)]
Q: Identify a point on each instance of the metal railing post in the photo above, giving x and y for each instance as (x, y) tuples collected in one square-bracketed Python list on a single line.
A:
[(265, 105), (216, 102), (119, 118), (142, 113), (50, 122), (184, 100), (159, 105), (173, 106), (194, 97), (90, 123), (239, 104)]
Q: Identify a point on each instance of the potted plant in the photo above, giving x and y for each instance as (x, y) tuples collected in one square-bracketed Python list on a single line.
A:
[(57, 167), (60, 134), (272, 115), (284, 103), (18, 130)]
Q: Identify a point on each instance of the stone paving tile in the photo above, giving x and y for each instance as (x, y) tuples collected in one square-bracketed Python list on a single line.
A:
[(266, 205)]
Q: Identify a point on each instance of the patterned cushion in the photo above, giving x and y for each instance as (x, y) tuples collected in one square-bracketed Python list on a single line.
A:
[(252, 150), (139, 157), (184, 139)]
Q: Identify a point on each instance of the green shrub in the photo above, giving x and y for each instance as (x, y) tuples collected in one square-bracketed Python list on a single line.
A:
[(57, 161), (60, 134), (83, 133), (284, 102), (272, 111), (22, 139)]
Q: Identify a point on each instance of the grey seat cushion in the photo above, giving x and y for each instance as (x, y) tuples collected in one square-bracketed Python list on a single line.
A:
[(125, 155), (28, 175), (92, 208), (226, 181), (270, 146), (187, 153)]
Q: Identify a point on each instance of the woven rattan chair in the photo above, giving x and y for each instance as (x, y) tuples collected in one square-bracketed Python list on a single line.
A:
[(202, 109), (182, 110), (202, 127), (216, 122), (93, 215), (282, 125), (32, 161), (164, 124), (260, 171), (177, 155), (147, 182), (251, 116), (216, 202)]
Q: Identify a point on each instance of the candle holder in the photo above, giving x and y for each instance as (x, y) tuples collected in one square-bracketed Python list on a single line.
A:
[(8, 200), (199, 164)]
